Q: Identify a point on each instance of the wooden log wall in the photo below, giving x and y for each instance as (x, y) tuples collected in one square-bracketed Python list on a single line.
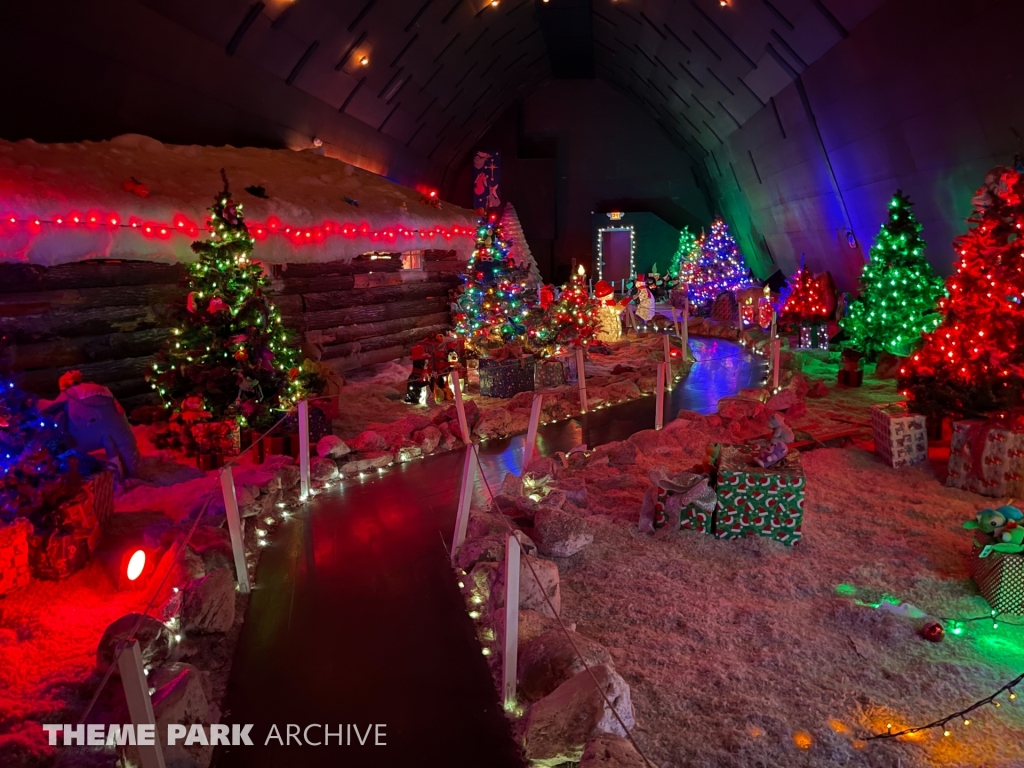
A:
[(108, 318)]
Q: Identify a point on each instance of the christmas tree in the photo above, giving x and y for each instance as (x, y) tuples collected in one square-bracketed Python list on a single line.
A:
[(898, 288), (806, 301), (686, 255), (720, 266), (229, 355), (519, 249), (973, 363), (492, 310), (569, 321)]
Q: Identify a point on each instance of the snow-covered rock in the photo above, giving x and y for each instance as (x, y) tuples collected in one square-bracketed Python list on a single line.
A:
[(534, 624), (493, 423), (560, 724), (332, 446), (155, 641), (780, 401), (611, 751), (184, 701), (367, 462), (427, 438), (368, 441), (322, 470), (208, 604), (491, 549), (551, 659), (560, 534)]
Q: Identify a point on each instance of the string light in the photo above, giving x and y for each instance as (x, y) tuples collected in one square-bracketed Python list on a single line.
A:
[(600, 248), (719, 268)]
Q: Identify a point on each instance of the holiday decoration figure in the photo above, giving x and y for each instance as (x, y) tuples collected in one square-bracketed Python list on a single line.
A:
[(609, 326), (720, 267), (229, 348), (972, 364), (686, 256), (898, 288), (644, 300)]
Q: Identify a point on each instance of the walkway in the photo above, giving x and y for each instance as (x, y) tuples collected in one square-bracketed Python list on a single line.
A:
[(357, 618)]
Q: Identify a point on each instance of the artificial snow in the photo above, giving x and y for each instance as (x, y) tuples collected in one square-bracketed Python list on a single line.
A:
[(305, 189)]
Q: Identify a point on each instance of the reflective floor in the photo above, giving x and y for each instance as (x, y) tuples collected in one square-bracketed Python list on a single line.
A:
[(357, 618)]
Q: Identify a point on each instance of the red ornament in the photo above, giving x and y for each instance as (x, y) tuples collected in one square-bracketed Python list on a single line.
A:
[(241, 354), (217, 304), (293, 373), (933, 632)]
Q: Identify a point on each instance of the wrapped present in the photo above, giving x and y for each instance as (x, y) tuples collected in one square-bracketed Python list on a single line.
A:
[(60, 552), (682, 500), (986, 458), (850, 378), (568, 361), (756, 501), (505, 378), (14, 567), (1000, 579), (548, 373), (901, 437), (217, 437)]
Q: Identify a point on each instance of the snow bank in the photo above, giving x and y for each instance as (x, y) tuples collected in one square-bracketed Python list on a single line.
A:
[(305, 190)]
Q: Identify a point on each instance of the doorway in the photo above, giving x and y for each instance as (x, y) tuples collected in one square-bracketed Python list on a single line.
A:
[(616, 245)]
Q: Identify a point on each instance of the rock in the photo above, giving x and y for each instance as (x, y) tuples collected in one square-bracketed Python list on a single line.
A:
[(427, 439), (611, 751), (447, 438), (451, 413), (532, 593), (213, 545), (183, 566), (289, 475), (483, 524), (521, 400), (155, 641), (622, 454), (575, 489), (561, 723), (714, 421), (490, 548), (331, 446), (780, 401), (368, 441), (245, 496), (790, 361), (553, 500), (623, 390), (208, 604), (493, 423), (647, 383), (407, 450), (560, 534), (549, 660), (739, 408), (515, 506), (367, 462), (534, 624), (818, 389), (511, 485), (184, 701), (483, 580), (757, 393), (798, 410), (405, 426), (800, 383), (543, 467), (322, 470)]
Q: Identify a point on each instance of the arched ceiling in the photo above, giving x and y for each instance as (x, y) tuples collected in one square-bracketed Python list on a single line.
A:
[(434, 74)]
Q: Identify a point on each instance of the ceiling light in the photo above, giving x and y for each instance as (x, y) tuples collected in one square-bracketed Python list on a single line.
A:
[(364, 60), (494, 3)]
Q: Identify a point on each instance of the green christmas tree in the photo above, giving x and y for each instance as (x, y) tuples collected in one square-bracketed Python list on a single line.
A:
[(569, 321), (229, 354), (898, 288), (687, 253)]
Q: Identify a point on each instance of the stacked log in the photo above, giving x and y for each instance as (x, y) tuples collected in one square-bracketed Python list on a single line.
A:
[(108, 318)]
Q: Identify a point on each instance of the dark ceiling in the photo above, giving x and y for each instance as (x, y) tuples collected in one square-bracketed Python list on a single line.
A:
[(438, 72)]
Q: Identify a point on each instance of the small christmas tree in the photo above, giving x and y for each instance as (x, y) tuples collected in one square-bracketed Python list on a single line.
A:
[(720, 266), (570, 321), (898, 288), (492, 310), (805, 301), (229, 354), (972, 364), (686, 255), (519, 249)]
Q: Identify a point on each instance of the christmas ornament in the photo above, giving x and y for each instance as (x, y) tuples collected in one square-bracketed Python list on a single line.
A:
[(933, 632), (241, 354), (217, 304)]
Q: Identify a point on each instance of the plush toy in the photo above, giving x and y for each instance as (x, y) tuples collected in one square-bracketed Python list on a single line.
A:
[(1006, 527), (418, 383), (95, 420), (777, 447)]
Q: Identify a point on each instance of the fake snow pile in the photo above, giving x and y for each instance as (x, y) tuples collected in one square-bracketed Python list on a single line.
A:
[(746, 652)]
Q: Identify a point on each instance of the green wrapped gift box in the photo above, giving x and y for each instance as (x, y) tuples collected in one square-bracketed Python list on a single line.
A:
[(757, 501)]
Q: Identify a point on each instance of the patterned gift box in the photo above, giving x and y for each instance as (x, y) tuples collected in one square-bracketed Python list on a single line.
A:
[(901, 438), (548, 373), (59, 553), (986, 458), (505, 378), (14, 567), (684, 498), (217, 437), (1000, 579), (757, 501)]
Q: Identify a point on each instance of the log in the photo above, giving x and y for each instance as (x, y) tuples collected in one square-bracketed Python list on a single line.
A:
[(319, 302), (401, 338), (375, 279), (354, 267), (44, 381), (91, 298), (367, 314), (362, 359), (87, 349), (439, 255), (285, 286), (16, 278), (72, 323), (347, 333)]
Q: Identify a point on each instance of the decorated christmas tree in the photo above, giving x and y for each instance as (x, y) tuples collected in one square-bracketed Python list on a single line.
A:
[(972, 364), (492, 310), (229, 354), (806, 300), (570, 321), (720, 266), (686, 255), (519, 250), (898, 288)]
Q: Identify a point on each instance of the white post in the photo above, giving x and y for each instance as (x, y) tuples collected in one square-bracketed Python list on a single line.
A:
[(469, 468), (460, 409), (581, 378), (140, 705), (303, 449), (659, 409), (530, 449), (776, 347), (510, 657), (227, 486), (667, 343), (686, 328), (675, 321)]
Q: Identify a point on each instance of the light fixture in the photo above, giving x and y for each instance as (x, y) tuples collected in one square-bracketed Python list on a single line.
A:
[(364, 60), (136, 565), (494, 3)]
